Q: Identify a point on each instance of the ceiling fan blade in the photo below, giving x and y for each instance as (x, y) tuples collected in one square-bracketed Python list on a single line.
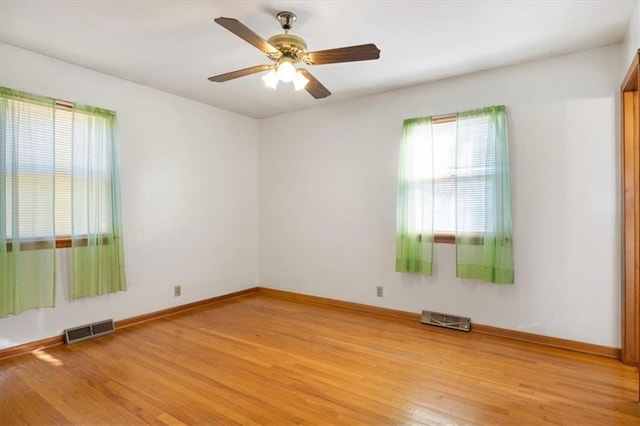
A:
[(314, 87), (246, 34), (362, 52), (239, 73)]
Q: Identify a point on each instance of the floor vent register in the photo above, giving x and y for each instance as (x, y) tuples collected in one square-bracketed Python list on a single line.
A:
[(446, 320), (89, 331)]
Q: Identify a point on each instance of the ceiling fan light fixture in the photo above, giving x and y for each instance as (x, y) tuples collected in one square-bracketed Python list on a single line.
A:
[(286, 71), (299, 81), (285, 51), (271, 79)]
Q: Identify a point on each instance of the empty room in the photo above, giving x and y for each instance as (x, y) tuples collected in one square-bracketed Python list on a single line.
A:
[(319, 212)]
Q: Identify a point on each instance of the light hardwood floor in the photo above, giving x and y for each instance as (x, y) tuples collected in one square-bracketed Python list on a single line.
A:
[(261, 359)]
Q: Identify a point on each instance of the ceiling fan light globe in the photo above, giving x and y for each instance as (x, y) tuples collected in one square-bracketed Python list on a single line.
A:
[(300, 81), (271, 79), (286, 72)]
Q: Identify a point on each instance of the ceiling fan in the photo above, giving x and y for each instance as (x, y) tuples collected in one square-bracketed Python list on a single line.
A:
[(286, 50)]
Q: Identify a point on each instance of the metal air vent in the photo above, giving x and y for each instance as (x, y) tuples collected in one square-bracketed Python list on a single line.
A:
[(445, 320), (89, 331)]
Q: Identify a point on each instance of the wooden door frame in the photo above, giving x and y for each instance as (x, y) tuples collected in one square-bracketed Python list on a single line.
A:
[(630, 130)]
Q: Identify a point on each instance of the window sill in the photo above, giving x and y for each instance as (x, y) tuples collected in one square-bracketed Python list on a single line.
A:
[(444, 238), (61, 242), (474, 239)]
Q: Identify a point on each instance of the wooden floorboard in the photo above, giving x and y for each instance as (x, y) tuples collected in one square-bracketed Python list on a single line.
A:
[(258, 359)]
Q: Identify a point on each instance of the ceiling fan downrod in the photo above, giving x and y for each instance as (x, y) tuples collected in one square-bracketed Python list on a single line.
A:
[(286, 20)]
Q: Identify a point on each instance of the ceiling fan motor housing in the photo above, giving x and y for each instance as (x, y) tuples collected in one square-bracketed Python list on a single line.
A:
[(289, 45)]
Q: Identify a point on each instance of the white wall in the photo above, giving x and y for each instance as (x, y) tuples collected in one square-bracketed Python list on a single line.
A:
[(632, 39), (328, 198), (190, 202)]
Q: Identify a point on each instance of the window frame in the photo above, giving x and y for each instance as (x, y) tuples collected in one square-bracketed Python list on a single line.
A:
[(61, 241), (444, 237)]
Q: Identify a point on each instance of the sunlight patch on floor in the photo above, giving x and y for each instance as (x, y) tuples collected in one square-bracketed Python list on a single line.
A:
[(43, 356)]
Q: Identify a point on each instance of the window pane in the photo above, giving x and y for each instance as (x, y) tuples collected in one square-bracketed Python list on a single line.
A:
[(444, 206), (475, 171), (458, 170), (91, 166), (29, 167)]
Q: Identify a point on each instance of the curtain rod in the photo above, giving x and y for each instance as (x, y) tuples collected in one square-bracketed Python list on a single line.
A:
[(63, 104), (443, 118)]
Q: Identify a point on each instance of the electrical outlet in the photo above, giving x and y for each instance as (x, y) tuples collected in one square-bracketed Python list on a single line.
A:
[(177, 290), (379, 291)]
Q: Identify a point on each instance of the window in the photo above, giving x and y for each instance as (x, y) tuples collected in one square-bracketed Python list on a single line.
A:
[(453, 186), (54, 153), (59, 187), (458, 176)]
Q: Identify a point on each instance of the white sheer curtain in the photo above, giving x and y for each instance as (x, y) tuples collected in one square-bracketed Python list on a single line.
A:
[(96, 219), (484, 241), (27, 199), (414, 220)]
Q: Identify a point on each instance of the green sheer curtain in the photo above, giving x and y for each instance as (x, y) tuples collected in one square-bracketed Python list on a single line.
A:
[(414, 227), (27, 199), (453, 178), (59, 178), (96, 224), (484, 248)]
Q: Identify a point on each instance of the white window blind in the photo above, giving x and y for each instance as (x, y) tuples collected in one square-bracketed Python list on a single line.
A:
[(46, 151), (29, 169), (459, 162)]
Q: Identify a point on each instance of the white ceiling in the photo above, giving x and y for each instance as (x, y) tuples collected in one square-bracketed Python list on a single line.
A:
[(174, 45)]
